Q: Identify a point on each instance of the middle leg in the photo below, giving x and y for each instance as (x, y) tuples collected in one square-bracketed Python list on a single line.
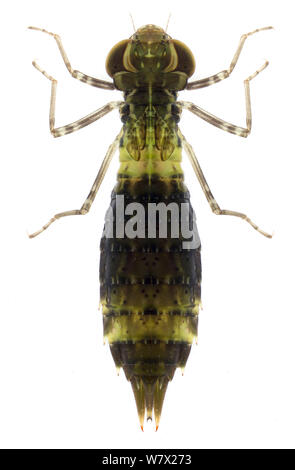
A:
[(76, 125), (220, 123)]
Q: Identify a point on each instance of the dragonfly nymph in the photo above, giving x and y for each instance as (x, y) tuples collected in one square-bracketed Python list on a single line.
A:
[(150, 267)]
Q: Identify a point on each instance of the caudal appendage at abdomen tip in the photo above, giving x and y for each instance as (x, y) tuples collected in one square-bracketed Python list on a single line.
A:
[(150, 419)]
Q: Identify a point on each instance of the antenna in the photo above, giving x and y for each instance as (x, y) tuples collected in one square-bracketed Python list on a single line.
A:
[(132, 22), (170, 14)]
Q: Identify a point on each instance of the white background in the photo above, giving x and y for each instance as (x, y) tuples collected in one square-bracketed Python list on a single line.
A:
[(59, 386)]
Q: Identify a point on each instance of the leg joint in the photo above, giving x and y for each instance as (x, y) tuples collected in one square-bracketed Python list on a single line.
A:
[(216, 209), (85, 208)]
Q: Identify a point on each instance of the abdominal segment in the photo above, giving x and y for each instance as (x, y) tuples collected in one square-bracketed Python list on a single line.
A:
[(150, 292)]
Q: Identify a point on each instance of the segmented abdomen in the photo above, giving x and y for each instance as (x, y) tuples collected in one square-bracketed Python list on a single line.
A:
[(150, 294)]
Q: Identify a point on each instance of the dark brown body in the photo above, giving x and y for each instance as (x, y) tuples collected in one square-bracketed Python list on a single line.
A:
[(150, 285)]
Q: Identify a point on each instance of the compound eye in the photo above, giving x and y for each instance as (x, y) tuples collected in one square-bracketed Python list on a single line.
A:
[(114, 61), (186, 61)]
